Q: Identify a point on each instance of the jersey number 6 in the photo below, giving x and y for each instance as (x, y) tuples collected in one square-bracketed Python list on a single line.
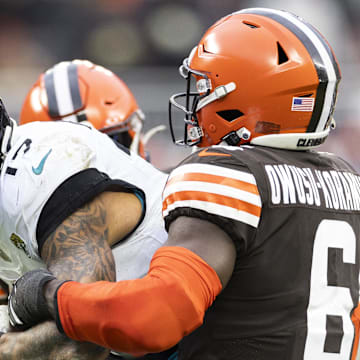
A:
[(330, 331)]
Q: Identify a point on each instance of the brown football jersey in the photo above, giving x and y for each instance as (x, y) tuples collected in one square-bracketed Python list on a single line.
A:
[(294, 218)]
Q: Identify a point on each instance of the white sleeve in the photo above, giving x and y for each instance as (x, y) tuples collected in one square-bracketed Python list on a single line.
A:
[(35, 175)]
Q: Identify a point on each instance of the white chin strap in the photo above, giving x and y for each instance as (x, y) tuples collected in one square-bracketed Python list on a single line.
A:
[(218, 93)]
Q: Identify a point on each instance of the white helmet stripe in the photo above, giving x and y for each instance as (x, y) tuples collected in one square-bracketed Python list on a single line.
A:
[(62, 89), (50, 93), (324, 63)]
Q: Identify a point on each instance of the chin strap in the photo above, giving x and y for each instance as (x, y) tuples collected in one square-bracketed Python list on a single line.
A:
[(235, 137)]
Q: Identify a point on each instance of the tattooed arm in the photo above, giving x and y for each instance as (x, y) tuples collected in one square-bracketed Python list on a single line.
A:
[(77, 250)]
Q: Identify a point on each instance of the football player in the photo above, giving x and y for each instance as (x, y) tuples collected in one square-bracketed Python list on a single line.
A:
[(79, 203), (79, 91), (262, 257)]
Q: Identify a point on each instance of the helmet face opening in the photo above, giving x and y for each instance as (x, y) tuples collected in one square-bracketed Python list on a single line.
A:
[(198, 87)]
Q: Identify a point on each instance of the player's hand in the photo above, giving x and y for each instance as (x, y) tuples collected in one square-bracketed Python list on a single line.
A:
[(27, 305), (43, 342)]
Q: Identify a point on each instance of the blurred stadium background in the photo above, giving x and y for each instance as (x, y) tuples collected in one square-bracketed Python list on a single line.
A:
[(144, 42)]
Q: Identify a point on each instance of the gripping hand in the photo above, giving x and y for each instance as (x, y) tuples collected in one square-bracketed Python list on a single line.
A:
[(27, 304)]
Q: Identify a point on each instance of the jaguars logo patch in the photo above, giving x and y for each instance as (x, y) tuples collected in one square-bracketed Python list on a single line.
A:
[(18, 242)]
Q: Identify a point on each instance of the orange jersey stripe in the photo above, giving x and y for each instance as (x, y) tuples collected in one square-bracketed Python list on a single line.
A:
[(355, 317), (214, 198), (215, 179)]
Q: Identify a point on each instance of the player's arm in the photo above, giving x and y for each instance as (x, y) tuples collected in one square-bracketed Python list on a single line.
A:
[(77, 250), (204, 223), (38, 343), (153, 313)]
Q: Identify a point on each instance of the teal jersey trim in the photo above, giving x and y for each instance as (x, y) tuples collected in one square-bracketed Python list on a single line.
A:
[(138, 195)]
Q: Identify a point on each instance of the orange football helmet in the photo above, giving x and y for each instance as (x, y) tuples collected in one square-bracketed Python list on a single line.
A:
[(262, 76), (79, 91)]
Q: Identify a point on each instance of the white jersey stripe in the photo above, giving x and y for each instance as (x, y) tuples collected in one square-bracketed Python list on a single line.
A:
[(214, 170), (216, 209), (218, 189), (62, 89)]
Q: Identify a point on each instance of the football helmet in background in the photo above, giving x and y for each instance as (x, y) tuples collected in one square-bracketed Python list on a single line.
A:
[(262, 77), (79, 91)]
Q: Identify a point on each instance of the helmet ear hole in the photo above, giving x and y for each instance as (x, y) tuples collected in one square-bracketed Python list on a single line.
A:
[(282, 57), (230, 115)]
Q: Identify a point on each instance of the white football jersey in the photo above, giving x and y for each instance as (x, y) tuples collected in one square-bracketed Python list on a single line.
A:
[(55, 167)]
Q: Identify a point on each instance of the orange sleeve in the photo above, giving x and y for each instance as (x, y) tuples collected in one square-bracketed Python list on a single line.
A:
[(355, 317), (143, 315)]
